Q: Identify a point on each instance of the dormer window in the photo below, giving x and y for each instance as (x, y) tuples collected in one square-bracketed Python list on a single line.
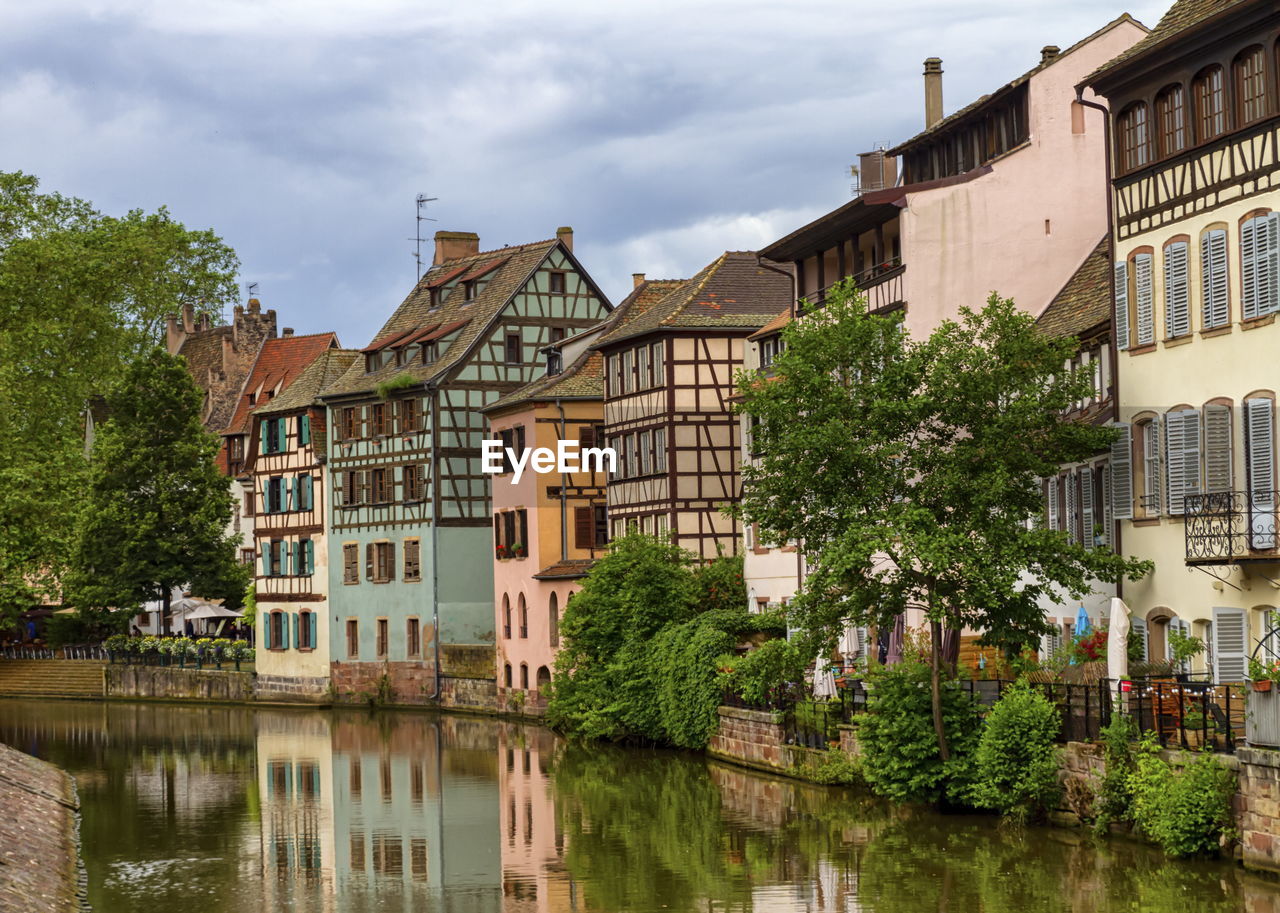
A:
[(555, 362), (429, 352), (434, 297), (769, 350), (469, 290)]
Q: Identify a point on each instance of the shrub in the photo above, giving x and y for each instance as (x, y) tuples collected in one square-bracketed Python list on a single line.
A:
[(900, 749), (1186, 811), (756, 674), (835, 769), (1114, 796), (687, 682), (1016, 764)]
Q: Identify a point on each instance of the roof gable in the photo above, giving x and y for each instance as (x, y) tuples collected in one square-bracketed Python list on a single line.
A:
[(280, 361)]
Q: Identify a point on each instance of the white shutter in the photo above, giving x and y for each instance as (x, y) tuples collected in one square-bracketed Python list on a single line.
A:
[(1051, 498), (1177, 306), (1144, 308), (1230, 644), (1086, 506), (1140, 625), (1260, 438), (1122, 305), (1269, 264), (1251, 239), (1071, 523), (1213, 277), (1153, 476), (1122, 474), (1177, 624), (1182, 457), (1108, 517), (1217, 448)]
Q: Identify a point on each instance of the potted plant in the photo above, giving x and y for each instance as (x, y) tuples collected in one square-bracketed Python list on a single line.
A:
[(501, 552), (1261, 675), (1194, 727), (518, 549), (1182, 647)]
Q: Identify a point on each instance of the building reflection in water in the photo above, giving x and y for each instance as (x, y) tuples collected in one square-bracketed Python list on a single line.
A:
[(534, 877)]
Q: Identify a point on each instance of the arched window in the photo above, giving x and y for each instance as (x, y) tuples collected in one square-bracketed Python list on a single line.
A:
[(553, 613), (506, 616), (1250, 77), (1210, 103), (506, 675), (1135, 137), (524, 617), (1171, 120), (524, 676), (544, 679)]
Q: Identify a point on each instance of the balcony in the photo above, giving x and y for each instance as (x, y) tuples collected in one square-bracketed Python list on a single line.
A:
[(882, 284), (1227, 527)]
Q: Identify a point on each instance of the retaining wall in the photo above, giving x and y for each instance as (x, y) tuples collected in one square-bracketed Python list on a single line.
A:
[(168, 683), (40, 869)]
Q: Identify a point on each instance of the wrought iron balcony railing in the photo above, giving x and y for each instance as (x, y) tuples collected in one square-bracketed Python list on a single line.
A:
[(1226, 526)]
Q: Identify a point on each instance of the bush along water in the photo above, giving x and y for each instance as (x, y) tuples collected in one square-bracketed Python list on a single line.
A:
[(1186, 811), (1016, 764)]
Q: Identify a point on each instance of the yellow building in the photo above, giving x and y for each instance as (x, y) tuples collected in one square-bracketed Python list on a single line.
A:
[(1196, 126)]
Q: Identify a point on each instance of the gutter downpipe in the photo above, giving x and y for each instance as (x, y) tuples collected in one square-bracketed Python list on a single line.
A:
[(1111, 272), (434, 393)]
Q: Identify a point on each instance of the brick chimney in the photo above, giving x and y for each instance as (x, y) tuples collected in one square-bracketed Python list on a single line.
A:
[(637, 279), (451, 244), (188, 317), (173, 334), (286, 332), (932, 91), (565, 234)]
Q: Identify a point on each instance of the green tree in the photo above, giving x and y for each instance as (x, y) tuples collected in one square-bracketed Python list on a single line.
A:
[(81, 295), (912, 470), (157, 507)]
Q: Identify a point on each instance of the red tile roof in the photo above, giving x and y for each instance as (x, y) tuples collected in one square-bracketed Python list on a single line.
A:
[(279, 362)]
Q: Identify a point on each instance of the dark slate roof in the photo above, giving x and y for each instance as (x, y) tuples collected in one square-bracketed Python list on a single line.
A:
[(1181, 18), (326, 368), (585, 377), (733, 292), (505, 279), (1085, 301), (942, 125), (577, 567), (279, 362)]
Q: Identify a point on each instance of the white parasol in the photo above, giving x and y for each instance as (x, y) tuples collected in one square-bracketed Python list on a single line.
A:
[(1118, 641)]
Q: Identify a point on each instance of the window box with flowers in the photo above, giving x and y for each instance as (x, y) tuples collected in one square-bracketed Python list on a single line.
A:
[(518, 550), (501, 552)]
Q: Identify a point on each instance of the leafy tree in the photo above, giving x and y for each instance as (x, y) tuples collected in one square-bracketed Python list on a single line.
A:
[(157, 507), (912, 470), (81, 295)]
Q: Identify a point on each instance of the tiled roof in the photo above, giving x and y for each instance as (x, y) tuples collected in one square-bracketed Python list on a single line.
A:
[(327, 367), (280, 361), (585, 377), (733, 292), (415, 312), (773, 325), (942, 125), (566, 569), (1181, 17), (1085, 301)]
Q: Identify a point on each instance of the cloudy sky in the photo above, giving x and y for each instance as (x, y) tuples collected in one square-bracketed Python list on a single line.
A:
[(663, 132)]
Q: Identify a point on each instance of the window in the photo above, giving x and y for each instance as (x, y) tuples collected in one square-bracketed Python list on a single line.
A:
[(470, 290), (236, 447), (1251, 85), (1259, 417), (410, 483), (306, 630), (524, 676), (513, 354), (557, 334), (660, 450), (1217, 448), (524, 617), (553, 620), (506, 675), (506, 621), (1207, 95), (1171, 120), (348, 428), (1151, 467), (1135, 140), (509, 529), (646, 453), (1144, 300), (410, 415), (555, 283), (412, 559), (659, 376), (1177, 301), (273, 558), (628, 371), (602, 525), (512, 439), (1182, 457), (413, 637), (1213, 278), (1260, 266), (381, 488), (304, 488), (277, 631), (273, 495), (352, 485), (305, 561), (247, 556), (644, 376), (273, 435), (380, 415), (384, 561), (381, 647), (429, 352), (248, 506), (770, 349), (350, 563)]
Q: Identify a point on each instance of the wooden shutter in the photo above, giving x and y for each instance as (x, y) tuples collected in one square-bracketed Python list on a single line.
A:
[(583, 528), (297, 630), (390, 571), (1260, 460), (1182, 457), (1122, 473), (311, 623), (1213, 278), (1052, 502), (497, 531), (304, 429), (524, 528), (1144, 306), (1122, 305), (1230, 643), (262, 436), (1217, 448), (1086, 506), (265, 639), (1140, 626), (266, 496), (308, 493), (587, 436), (266, 558), (1269, 264), (1177, 302), (368, 561)]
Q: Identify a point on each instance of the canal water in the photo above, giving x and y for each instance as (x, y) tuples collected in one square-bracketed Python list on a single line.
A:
[(212, 809)]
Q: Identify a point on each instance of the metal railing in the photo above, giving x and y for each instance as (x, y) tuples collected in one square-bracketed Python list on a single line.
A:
[(94, 652), (1224, 525)]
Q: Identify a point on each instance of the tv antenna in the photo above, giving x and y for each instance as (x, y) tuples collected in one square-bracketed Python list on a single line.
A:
[(251, 289), (422, 200)]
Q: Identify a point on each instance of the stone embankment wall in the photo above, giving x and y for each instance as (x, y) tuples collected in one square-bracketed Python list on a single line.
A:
[(166, 683), (40, 868), (467, 681), (755, 738)]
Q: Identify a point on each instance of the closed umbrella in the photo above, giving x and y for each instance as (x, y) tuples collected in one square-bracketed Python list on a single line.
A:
[(1083, 624), (1118, 641)]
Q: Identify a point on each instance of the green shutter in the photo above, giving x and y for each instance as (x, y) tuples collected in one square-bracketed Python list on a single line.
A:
[(307, 498), (266, 559), (297, 557), (263, 428), (304, 429), (297, 632), (308, 557), (266, 496), (312, 620), (265, 639)]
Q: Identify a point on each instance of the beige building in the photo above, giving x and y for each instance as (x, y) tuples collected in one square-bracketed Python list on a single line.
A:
[(1196, 182)]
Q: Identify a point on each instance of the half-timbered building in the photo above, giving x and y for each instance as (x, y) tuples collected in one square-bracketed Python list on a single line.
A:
[(1195, 111), (285, 482), (411, 566), (670, 374)]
